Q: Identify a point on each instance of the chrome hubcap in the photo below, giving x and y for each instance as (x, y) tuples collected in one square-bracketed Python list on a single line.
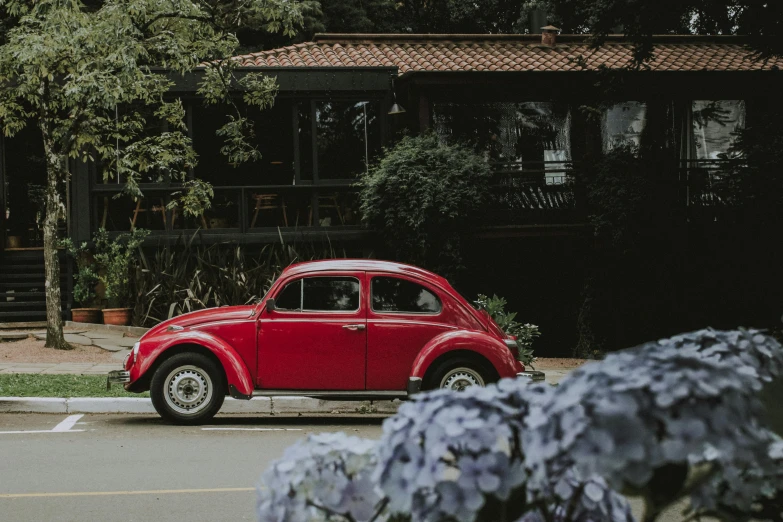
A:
[(460, 378), (188, 390)]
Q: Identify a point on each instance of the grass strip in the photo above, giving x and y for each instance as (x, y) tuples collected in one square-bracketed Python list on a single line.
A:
[(37, 385)]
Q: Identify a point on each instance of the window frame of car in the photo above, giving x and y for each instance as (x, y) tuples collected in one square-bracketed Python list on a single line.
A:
[(303, 310), (426, 287)]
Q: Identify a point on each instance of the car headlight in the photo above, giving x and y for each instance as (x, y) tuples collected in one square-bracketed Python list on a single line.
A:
[(135, 351)]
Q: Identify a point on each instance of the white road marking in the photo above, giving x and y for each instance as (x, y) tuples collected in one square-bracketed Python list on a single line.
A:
[(68, 423), (251, 429), (37, 431), (64, 427), (109, 493)]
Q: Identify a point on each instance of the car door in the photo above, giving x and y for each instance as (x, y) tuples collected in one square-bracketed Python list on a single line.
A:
[(316, 338), (403, 315)]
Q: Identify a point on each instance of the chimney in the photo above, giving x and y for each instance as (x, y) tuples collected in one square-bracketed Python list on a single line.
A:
[(549, 35)]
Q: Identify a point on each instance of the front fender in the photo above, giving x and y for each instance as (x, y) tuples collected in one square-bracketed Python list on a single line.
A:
[(495, 351), (237, 373)]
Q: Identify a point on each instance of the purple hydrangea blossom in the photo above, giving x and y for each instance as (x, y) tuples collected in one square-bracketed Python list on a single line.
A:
[(445, 454), (578, 500), (687, 400), (325, 477), (751, 493)]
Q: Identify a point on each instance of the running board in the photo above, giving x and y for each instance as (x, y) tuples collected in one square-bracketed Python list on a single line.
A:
[(335, 395)]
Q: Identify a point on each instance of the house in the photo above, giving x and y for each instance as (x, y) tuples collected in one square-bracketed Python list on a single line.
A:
[(342, 98)]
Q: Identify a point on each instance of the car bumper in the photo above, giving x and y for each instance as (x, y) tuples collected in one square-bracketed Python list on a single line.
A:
[(117, 376), (532, 376)]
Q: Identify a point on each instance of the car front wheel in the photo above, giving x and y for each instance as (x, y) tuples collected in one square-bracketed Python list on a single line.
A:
[(187, 389)]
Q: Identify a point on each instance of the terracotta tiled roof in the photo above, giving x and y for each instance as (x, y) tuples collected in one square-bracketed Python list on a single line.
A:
[(409, 53)]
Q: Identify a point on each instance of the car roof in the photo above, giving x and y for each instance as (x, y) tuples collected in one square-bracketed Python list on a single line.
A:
[(365, 265)]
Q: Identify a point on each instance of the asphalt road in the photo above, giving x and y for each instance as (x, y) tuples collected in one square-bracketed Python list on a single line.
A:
[(135, 468), (84, 468)]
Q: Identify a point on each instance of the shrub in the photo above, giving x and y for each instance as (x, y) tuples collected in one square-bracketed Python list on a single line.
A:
[(666, 420), (86, 277), (525, 333), (421, 198), (114, 258), (185, 277)]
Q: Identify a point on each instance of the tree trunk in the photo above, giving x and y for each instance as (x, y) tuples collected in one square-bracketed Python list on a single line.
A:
[(55, 169)]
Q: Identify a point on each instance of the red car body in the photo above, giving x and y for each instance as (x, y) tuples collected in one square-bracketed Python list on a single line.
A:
[(360, 353)]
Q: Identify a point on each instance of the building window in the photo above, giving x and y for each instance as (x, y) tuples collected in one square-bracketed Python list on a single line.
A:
[(715, 124), (274, 138), (622, 125), (533, 135), (347, 137)]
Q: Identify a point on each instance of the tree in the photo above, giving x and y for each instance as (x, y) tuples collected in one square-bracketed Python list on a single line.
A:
[(68, 67), (760, 20), (458, 16)]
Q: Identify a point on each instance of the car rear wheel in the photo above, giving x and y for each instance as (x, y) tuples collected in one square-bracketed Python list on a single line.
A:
[(187, 389), (459, 373)]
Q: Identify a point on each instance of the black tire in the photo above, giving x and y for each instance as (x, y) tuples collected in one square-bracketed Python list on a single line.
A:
[(451, 367), (188, 389)]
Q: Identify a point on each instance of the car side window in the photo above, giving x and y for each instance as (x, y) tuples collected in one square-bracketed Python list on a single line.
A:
[(290, 298), (331, 294), (390, 294), (320, 294)]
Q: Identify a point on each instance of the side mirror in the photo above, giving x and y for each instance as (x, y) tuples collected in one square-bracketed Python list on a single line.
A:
[(270, 305)]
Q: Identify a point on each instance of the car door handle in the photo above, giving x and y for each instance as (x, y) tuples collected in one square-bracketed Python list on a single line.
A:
[(354, 327)]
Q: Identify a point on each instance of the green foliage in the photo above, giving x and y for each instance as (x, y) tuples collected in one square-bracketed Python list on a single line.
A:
[(115, 258), (55, 68), (639, 20), (421, 198), (194, 199), (525, 333), (754, 182), (185, 277), (86, 277)]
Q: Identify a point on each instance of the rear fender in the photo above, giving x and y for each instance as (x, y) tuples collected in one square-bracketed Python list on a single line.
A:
[(237, 373), (496, 352)]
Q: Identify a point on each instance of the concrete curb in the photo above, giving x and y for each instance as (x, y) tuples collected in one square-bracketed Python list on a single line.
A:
[(136, 331), (255, 406)]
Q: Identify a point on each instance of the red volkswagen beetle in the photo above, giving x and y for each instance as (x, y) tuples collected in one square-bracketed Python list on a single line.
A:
[(347, 329)]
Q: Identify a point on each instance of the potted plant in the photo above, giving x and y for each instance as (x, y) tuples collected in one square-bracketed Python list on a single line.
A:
[(114, 257), (85, 280)]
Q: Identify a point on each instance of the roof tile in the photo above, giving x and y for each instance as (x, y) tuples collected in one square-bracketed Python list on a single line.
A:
[(487, 54)]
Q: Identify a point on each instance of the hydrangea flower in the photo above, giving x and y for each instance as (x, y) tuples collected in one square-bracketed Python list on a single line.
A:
[(754, 492), (452, 456), (753, 354), (577, 500), (325, 477), (661, 406)]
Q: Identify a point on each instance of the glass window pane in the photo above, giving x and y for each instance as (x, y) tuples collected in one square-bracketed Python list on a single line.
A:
[(714, 126), (390, 294), (622, 124), (305, 141), (536, 133), (331, 294), (291, 296), (348, 137), (273, 129)]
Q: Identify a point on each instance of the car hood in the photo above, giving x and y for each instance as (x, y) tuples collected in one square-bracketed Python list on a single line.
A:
[(210, 315)]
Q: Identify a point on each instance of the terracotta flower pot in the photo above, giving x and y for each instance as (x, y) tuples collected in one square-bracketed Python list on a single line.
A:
[(13, 242), (86, 315), (117, 316)]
